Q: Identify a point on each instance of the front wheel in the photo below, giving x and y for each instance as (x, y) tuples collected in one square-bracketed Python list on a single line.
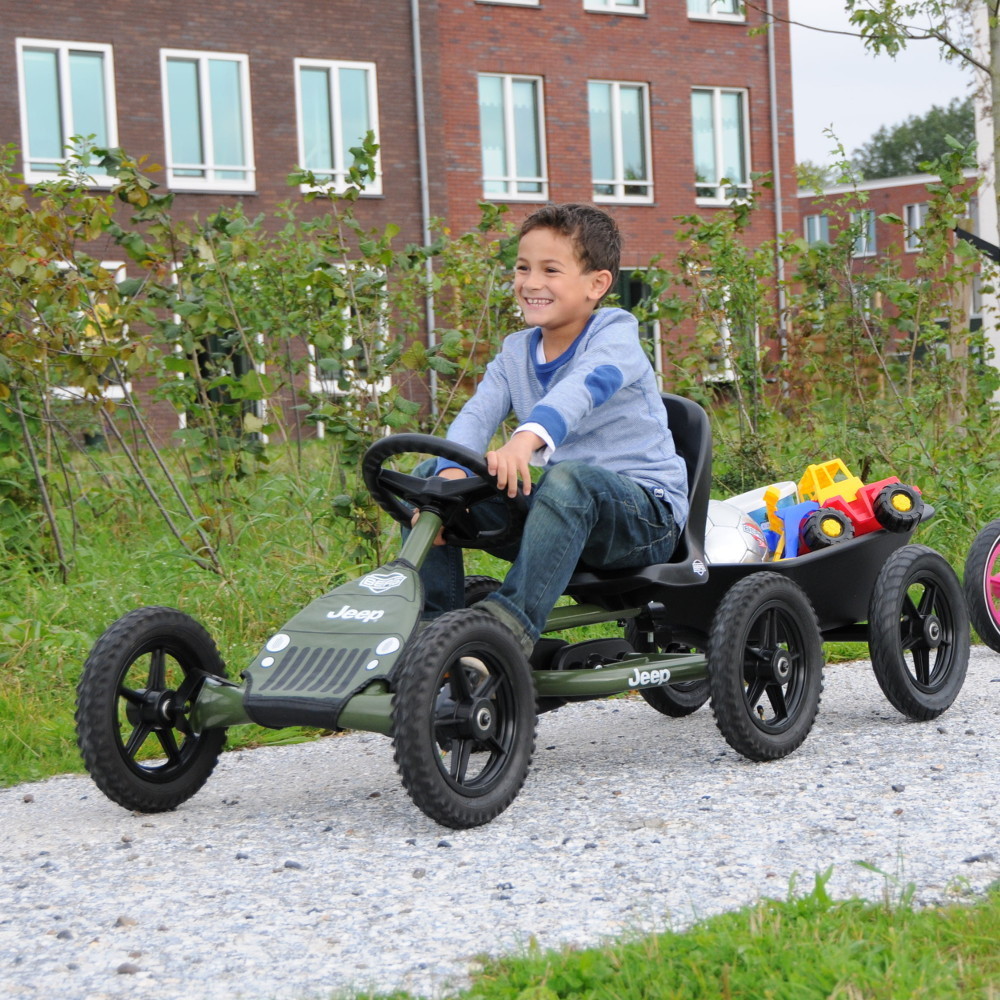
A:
[(464, 719), (765, 666), (133, 703), (982, 584), (918, 632)]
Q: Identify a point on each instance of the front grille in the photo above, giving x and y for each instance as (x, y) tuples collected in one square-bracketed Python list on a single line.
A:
[(315, 671)]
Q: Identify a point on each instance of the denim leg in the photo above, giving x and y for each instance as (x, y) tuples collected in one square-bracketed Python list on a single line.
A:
[(581, 514)]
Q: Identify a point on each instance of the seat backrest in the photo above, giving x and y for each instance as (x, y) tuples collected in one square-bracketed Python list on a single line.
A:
[(692, 435)]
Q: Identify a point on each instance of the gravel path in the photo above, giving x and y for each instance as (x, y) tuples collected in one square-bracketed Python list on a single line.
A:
[(304, 871)]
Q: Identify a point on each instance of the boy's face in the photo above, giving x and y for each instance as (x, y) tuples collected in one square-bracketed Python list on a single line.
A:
[(552, 289)]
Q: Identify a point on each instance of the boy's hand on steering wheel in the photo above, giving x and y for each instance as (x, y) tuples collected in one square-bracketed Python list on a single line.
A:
[(513, 462)]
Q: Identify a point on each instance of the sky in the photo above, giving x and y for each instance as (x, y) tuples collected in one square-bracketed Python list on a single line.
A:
[(836, 82)]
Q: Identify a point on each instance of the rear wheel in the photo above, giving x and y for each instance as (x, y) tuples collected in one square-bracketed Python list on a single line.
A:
[(133, 703), (918, 632), (982, 584), (479, 587), (675, 700), (765, 666), (464, 719)]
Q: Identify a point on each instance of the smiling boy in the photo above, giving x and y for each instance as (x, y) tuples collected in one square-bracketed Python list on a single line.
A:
[(614, 491)]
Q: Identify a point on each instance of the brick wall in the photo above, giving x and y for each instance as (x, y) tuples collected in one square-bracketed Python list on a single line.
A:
[(557, 40)]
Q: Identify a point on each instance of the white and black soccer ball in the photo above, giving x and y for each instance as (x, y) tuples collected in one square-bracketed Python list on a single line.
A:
[(732, 536)]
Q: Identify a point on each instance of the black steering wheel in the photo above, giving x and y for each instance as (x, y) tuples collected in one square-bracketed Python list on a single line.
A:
[(398, 493)]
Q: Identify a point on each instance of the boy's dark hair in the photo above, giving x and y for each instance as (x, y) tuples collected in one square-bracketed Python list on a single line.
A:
[(594, 234)]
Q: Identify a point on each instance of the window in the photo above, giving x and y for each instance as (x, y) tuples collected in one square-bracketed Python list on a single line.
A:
[(817, 229), (716, 10), (511, 132), (914, 216), (66, 91), (721, 145), (512, 3), (863, 223), (619, 141), (337, 107), (207, 118), (615, 6)]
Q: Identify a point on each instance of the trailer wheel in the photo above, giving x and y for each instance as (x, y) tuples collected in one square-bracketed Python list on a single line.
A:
[(918, 632), (464, 719), (982, 584), (675, 700), (133, 700), (765, 666)]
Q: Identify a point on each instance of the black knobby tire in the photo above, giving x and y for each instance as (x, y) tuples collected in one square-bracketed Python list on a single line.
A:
[(918, 632), (676, 700), (825, 527), (898, 507), (479, 587), (765, 666), (464, 719), (136, 689), (982, 584)]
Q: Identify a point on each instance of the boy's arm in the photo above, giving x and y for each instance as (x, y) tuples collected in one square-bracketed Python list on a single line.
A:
[(613, 358)]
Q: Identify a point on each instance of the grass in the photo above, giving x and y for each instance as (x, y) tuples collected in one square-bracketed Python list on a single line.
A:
[(280, 547), (808, 946), (285, 549)]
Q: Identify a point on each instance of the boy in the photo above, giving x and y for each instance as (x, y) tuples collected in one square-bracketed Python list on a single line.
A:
[(614, 494)]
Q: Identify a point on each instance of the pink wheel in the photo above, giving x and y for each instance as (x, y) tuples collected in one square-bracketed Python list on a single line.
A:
[(982, 584)]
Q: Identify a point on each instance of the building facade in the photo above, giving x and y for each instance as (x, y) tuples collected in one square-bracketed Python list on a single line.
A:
[(652, 109)]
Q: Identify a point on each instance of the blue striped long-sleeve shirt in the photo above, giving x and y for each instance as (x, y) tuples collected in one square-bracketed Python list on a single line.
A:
[(598, 402)]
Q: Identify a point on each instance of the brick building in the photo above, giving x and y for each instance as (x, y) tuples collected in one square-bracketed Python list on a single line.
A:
[(652, 109), (863, 206)]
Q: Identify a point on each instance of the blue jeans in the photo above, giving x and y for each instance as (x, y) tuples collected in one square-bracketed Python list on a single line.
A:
[(579, 515)]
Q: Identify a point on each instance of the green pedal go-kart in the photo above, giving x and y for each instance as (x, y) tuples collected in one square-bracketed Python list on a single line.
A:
[(459, 698)]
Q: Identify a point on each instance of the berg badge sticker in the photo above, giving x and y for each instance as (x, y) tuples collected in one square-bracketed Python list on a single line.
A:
[(379, 583)]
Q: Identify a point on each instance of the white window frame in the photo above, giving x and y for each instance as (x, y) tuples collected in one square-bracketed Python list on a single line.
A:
[(112, 390), (813, 222), (614, 7), (914, 216), (718, 15), (721, 197), (511, 180), (865, 244), (512, 3), (210, 182), (63, 49), (619, 181), (342, 161)]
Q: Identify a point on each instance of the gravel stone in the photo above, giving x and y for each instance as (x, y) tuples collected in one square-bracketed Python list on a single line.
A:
[(668, 825)]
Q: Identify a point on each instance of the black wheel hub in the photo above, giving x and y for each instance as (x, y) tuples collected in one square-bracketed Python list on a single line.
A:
[(475, 720), (933, 633), (157, 709), (775, 666)]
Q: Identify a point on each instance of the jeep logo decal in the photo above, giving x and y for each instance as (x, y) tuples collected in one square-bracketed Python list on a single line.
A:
[(648, 678), (347, 613)]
